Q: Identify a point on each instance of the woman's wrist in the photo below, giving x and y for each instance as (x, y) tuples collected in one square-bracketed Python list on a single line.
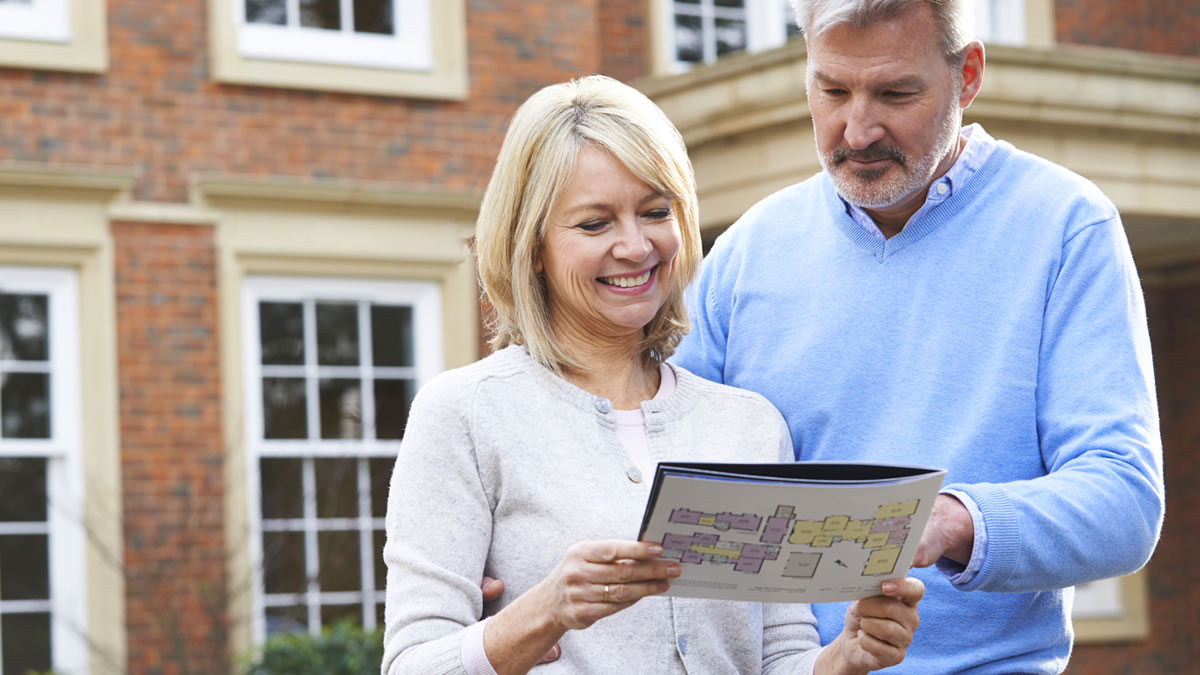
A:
[(518, 636)]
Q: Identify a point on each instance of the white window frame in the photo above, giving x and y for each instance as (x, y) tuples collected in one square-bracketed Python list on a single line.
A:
[(425, 299), (766, 28), (410, 48), (64, 475), (1000, 21), (41, 20)]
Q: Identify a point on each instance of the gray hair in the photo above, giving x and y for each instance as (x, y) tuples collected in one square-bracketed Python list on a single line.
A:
[(954, 19)]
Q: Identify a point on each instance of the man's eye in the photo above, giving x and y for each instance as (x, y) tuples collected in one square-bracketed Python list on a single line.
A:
[(834, 92), (897, 95)]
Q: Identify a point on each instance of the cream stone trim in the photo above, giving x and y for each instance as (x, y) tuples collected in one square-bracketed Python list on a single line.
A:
[(282, 227), (1039, 23), (80, 239), (1134, 622), (86, 50), (447, 79)]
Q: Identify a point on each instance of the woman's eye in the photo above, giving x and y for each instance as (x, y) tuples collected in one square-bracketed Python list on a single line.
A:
[(591, 225), (658, 214)]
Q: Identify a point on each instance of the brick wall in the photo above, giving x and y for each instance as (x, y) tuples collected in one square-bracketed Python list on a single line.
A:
[(1173, 591), (171, 455), (157, 109), (1161, 26)]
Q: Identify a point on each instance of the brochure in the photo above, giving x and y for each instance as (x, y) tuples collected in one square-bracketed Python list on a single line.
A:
[(798, 532)]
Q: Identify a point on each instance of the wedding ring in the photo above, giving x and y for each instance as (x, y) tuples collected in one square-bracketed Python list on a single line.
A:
[(605, 592)]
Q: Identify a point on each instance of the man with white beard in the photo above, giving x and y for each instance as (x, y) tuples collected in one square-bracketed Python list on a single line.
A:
[(939, 297)]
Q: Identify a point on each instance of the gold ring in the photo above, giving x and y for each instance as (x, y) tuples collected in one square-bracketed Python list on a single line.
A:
[(606, 592)]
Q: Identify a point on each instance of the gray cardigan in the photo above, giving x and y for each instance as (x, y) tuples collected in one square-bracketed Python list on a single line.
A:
[(504, 465)]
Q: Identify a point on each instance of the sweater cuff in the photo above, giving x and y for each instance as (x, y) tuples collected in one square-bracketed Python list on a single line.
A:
[(1003, 535), (474, 658)]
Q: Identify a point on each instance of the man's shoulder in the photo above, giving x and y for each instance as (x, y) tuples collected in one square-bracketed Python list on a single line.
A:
[(1035, 175)]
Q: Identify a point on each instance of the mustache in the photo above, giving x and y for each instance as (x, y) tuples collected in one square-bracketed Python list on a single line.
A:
[(869, 154)]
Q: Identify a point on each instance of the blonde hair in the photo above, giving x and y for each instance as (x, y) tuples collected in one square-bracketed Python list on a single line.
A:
[(535, 161)]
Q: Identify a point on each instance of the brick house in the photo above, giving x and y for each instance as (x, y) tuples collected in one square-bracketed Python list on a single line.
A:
[(233, 243)]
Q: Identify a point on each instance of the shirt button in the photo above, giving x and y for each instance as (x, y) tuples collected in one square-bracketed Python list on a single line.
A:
[(682, 645), (941, 188), (603, 405), (634, 474)]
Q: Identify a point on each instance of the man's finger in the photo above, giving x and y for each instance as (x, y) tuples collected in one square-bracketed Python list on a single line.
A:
[(492, 588), (552, 655)]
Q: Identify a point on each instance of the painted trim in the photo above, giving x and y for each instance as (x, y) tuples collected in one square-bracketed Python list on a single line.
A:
[(447, 79), (85, 48)]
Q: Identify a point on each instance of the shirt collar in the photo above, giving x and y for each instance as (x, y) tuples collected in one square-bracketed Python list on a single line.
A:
[(979, 147)]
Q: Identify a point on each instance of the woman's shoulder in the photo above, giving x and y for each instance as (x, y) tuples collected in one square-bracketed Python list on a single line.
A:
[(464, 382), (715, 394)]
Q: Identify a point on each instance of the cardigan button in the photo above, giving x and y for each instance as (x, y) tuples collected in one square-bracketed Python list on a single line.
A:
[(682, 645), (603, 405), (634, 474)]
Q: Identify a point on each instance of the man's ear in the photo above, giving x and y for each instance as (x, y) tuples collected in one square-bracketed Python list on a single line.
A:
[(972, 73)]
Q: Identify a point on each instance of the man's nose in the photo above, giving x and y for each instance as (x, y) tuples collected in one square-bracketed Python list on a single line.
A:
[(862, 125)]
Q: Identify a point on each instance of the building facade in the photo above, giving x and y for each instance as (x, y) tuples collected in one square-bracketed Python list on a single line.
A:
[(233, 242)]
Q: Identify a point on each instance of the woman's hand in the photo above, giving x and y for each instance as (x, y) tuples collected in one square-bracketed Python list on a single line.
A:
[(877, 631), (596, 579)]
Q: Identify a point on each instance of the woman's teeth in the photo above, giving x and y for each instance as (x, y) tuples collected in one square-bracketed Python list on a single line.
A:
[(628, 282)]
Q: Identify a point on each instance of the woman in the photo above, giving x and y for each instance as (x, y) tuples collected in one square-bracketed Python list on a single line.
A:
[(529, 465)]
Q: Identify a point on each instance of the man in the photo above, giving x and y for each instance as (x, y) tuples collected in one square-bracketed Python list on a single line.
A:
[(938, 297)]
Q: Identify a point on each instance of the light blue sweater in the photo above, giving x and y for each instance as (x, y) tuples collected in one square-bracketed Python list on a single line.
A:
[(1001, 336)]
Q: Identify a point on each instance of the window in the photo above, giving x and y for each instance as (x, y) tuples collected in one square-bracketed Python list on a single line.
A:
[(42, 599), (332, 369), (53, 34), (373, 33), (383, 47), (35, 20), (703, 30), (1000, 21)]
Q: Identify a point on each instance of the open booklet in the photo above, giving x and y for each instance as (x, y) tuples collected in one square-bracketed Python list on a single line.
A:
[(799, 532)]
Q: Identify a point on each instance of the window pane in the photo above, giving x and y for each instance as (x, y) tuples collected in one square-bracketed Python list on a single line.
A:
[(337, 335), (24, 567), (392, 335), (266, 11), (337, 488), (25, 400), (320, 14), (731, 35), (341, 408), (287, 620), (281, 325), (379, 539), (392, 400), (381, 476), (373, 16), (26, 640), (689, 40), (23, 489), (730, 3), (23, 327), (284, 411), (340, 570), (282, 488), (283, 562), (331, 614)]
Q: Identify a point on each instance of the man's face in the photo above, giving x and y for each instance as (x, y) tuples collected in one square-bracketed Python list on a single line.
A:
[(885, 107)]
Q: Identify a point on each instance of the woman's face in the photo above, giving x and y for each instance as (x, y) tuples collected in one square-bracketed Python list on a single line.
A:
[(607, 251)]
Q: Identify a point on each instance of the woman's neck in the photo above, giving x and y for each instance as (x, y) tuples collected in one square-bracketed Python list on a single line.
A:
[(614, 370)]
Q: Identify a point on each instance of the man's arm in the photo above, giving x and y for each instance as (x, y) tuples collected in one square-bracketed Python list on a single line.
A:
[(1098, 511)]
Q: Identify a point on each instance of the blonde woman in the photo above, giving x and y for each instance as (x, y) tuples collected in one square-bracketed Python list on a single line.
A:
[(531, 465)]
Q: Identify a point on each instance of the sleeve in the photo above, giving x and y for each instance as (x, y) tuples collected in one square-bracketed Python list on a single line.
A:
[(790, 641), (1098, 511), (702, 350), (439, 528)]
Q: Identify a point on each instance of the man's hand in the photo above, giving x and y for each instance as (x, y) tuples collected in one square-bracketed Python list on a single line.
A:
[(492, 588), (877, 631), (949, 533)]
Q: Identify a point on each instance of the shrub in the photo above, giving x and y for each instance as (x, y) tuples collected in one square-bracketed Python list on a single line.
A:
[(342, 649)]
